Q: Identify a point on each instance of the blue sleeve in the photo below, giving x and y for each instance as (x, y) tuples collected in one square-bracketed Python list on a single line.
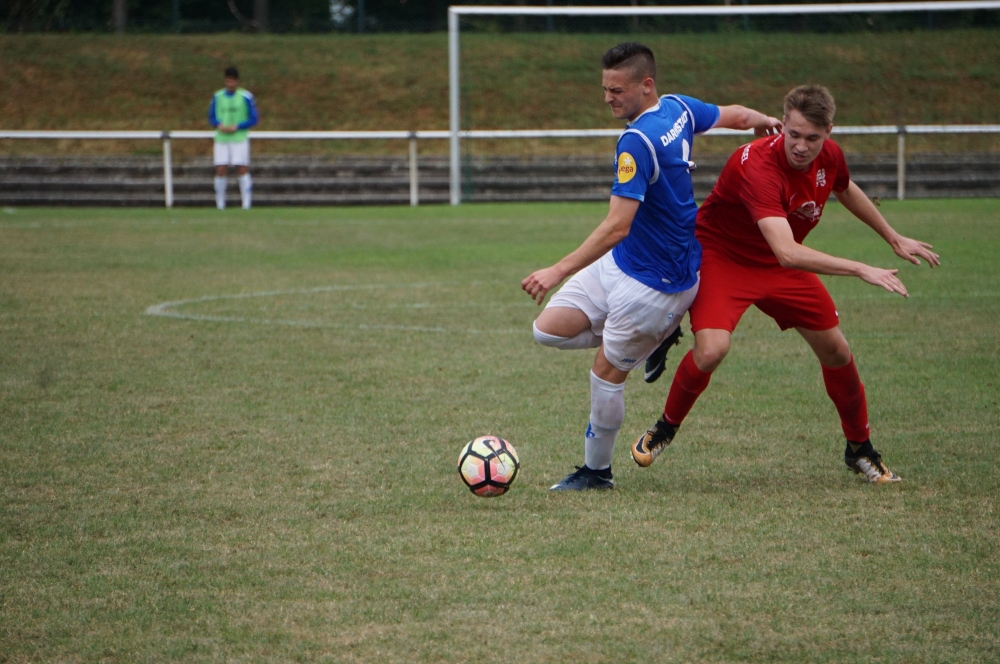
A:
[(633, 167), (252, 118), (704, 115), (212, 120)]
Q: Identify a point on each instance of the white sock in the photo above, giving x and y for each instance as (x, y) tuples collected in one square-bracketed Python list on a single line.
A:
[(246, 189), (586, 339), (220, 192), (607, 412)]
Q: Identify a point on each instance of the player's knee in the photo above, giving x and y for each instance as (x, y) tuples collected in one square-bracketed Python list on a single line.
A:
[(546, 339), (708, 356), (837, 355)]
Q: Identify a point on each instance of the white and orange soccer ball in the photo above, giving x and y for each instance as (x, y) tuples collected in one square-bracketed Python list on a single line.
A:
[(488, 465)]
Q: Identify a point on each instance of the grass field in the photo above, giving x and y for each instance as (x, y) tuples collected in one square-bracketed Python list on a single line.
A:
[(271, 477), (400, 82)]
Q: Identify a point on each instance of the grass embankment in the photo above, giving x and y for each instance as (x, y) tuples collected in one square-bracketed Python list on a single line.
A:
[(205, 490), (511, 81)]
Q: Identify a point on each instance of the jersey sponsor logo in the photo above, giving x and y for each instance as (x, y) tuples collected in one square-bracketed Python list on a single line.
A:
[(626, 167), (746, 154), (809, 211), (675, 131), (821, 177)]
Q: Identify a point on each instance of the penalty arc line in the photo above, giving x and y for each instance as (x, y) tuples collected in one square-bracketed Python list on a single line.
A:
[(168, 310)]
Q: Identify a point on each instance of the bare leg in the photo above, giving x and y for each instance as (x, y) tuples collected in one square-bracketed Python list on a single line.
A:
[(830, 346), (710, 348), (562, 321)]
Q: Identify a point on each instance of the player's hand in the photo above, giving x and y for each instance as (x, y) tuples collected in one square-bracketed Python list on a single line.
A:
[(228, 129), (914, 250), (770, 127), (887, 279), (540, 282)]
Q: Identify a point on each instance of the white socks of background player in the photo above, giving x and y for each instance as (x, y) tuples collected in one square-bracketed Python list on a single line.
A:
[(246, 189), (607, 412), (220, 192), (586, 339)]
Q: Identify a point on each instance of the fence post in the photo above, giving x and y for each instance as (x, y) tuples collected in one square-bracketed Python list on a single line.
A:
[(414, 183), (454, 120), (168, 173), (901, 163)]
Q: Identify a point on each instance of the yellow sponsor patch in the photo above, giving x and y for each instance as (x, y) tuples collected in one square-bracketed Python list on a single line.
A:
[(626, 167)]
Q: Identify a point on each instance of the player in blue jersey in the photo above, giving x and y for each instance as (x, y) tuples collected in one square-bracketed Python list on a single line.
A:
[(232, 112), (636, 275)]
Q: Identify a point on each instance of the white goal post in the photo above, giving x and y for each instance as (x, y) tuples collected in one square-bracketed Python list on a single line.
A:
[(455, 11)]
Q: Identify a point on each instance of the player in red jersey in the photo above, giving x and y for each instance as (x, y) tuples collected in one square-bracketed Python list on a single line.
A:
[(769, 196)]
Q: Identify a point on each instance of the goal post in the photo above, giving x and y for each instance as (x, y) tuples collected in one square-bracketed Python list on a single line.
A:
[(457, 11)]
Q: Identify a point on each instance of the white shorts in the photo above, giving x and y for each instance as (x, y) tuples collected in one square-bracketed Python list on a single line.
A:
[(632, 318), (232, 154)]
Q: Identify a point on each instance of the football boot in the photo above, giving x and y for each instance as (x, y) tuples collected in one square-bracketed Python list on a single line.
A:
[(868, 462), (657, 362), (584, 478), (649, 445)]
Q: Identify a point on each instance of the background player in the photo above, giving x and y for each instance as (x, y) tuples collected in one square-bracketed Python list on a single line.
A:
[(770, 194), (642, 261), (232, 112)]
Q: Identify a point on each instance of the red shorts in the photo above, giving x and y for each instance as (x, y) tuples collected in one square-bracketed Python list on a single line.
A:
[(793, 298)]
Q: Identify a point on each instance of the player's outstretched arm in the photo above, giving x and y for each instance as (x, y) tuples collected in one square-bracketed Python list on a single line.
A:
[(741, 117), (791, 254), (612, 230), (906, 248)]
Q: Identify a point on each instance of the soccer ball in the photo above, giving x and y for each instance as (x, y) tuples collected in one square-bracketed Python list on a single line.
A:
[(488, 465)]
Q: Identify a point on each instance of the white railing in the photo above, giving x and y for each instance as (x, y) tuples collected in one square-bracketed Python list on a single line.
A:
[(414, 136)]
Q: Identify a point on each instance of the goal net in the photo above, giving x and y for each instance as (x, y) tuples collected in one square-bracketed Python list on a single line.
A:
[(522, 69)]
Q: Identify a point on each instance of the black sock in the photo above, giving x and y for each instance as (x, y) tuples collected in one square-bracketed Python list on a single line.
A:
[(857, 446), (604, 473)]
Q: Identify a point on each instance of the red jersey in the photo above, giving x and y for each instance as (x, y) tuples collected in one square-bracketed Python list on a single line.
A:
[(757, 182)]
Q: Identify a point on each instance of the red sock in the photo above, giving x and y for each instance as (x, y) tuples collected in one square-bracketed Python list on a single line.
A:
[(689, 383), (848, 394)]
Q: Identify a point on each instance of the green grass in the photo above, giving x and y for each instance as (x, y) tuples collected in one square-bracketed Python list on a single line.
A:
[(399, 82), (183, 488)]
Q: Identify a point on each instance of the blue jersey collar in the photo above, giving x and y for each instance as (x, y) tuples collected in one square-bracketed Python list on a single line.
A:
[(652, 109)]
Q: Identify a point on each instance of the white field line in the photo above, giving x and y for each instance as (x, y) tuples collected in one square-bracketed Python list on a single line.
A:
[(169, 310)]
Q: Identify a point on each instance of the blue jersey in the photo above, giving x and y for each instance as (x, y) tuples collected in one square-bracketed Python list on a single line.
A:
[(653, 165)]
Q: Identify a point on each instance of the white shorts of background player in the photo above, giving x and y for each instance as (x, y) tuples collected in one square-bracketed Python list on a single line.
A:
[(630, 318), (232, 154)]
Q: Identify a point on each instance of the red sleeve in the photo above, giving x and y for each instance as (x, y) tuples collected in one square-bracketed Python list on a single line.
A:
[(763, 191), (843, 175)]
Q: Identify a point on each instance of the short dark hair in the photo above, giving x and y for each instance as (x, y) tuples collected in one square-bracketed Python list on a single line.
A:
[(636, 57), (231, 72), (814, 102)]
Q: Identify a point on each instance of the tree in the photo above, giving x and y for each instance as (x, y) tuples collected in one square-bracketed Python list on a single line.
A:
[(260, 15), (119, 15)]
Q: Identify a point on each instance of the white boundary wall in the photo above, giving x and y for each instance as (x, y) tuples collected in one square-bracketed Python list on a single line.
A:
[(455, 11)]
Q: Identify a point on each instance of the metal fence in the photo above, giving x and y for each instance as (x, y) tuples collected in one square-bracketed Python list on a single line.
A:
[(414, 137)]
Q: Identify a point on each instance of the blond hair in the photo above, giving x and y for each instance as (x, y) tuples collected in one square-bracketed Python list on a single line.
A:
[(814, 102)]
